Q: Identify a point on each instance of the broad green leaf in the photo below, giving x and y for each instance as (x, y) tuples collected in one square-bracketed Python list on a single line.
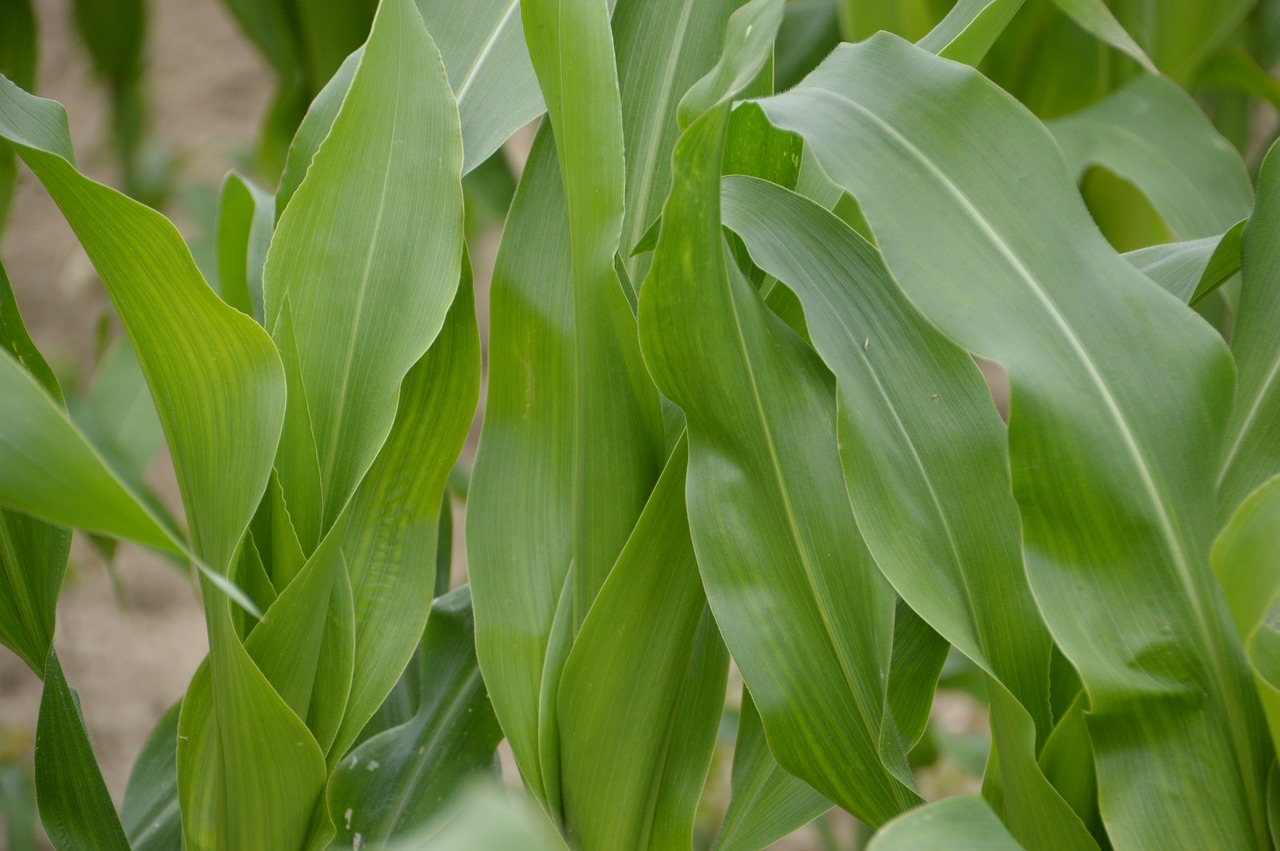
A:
[(75, 809), (1093, 430), (519, 509), (956, 824), (489, 70), (488, 818), (970, 28), (314, 128), (1153, 135), (150, 813), (1252, 452), (803, 609), (246, 219), (617, 422), (1194, 269), (1246, 559), (33, 554), (922, 447), (364, 285), (767, 802), (400, 779), (213, 373), (641, 694)]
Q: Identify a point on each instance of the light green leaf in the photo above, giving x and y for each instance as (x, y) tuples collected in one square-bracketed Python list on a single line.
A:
[(1095, 17), (1152, 134), (246, 219), (401, 778), (1252, 452), (956, 824), (970, 28), (1246, 560), (75, 809), (926, 146), (657, 680), (151, 817), (488, 818), (1194, 269), (489, 70), (767, 802), (811, 633), (364, 285), (922, 447)]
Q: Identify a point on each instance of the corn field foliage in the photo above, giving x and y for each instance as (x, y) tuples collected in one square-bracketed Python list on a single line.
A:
[(736, 429)]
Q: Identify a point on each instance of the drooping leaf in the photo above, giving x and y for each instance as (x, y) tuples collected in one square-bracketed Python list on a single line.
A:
[(151, 817), (767, 802), (364, 285), (1152, 134), (659, 678), (1095, 17), (1252, 453), (401, 778), (75, 809), (969, 29), (1093, 431)]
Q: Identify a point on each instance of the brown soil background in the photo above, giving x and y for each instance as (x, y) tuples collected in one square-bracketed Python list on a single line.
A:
[(130, 645)]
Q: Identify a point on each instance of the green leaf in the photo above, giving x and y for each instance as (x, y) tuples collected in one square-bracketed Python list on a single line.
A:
[(1246, 560), (812, 634), (922, 447), (1253, 437), (401, 778), (489, 69), (18, 806), (1095, 17), (910, 19), (659, 679), (488, 819), (767, 802), (1180, 36), (151, 817), (355, 288), (1152, 134), (809, 31), (1194, 269), (18, 47), (213, 373), (1235, 70), (970, 28), (246, 219), (75, 809), (1093, 431), (956, 824), (33, 554)]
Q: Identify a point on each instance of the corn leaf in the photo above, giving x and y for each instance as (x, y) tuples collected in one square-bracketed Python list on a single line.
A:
[(1194, 269), (922, 447), (1180, 36), (1092, 430), (1253, 438), (661, 679), (150, 814), (1152, 134), (1246, 559), (400, 779), (75, 809), (1094, 16), (246, 219), (767, 802), (365, 307), (970, 28), (811, 633), (957, 824)]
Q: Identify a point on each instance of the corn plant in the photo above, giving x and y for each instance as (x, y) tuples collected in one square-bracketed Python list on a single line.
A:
[(734, 415)]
